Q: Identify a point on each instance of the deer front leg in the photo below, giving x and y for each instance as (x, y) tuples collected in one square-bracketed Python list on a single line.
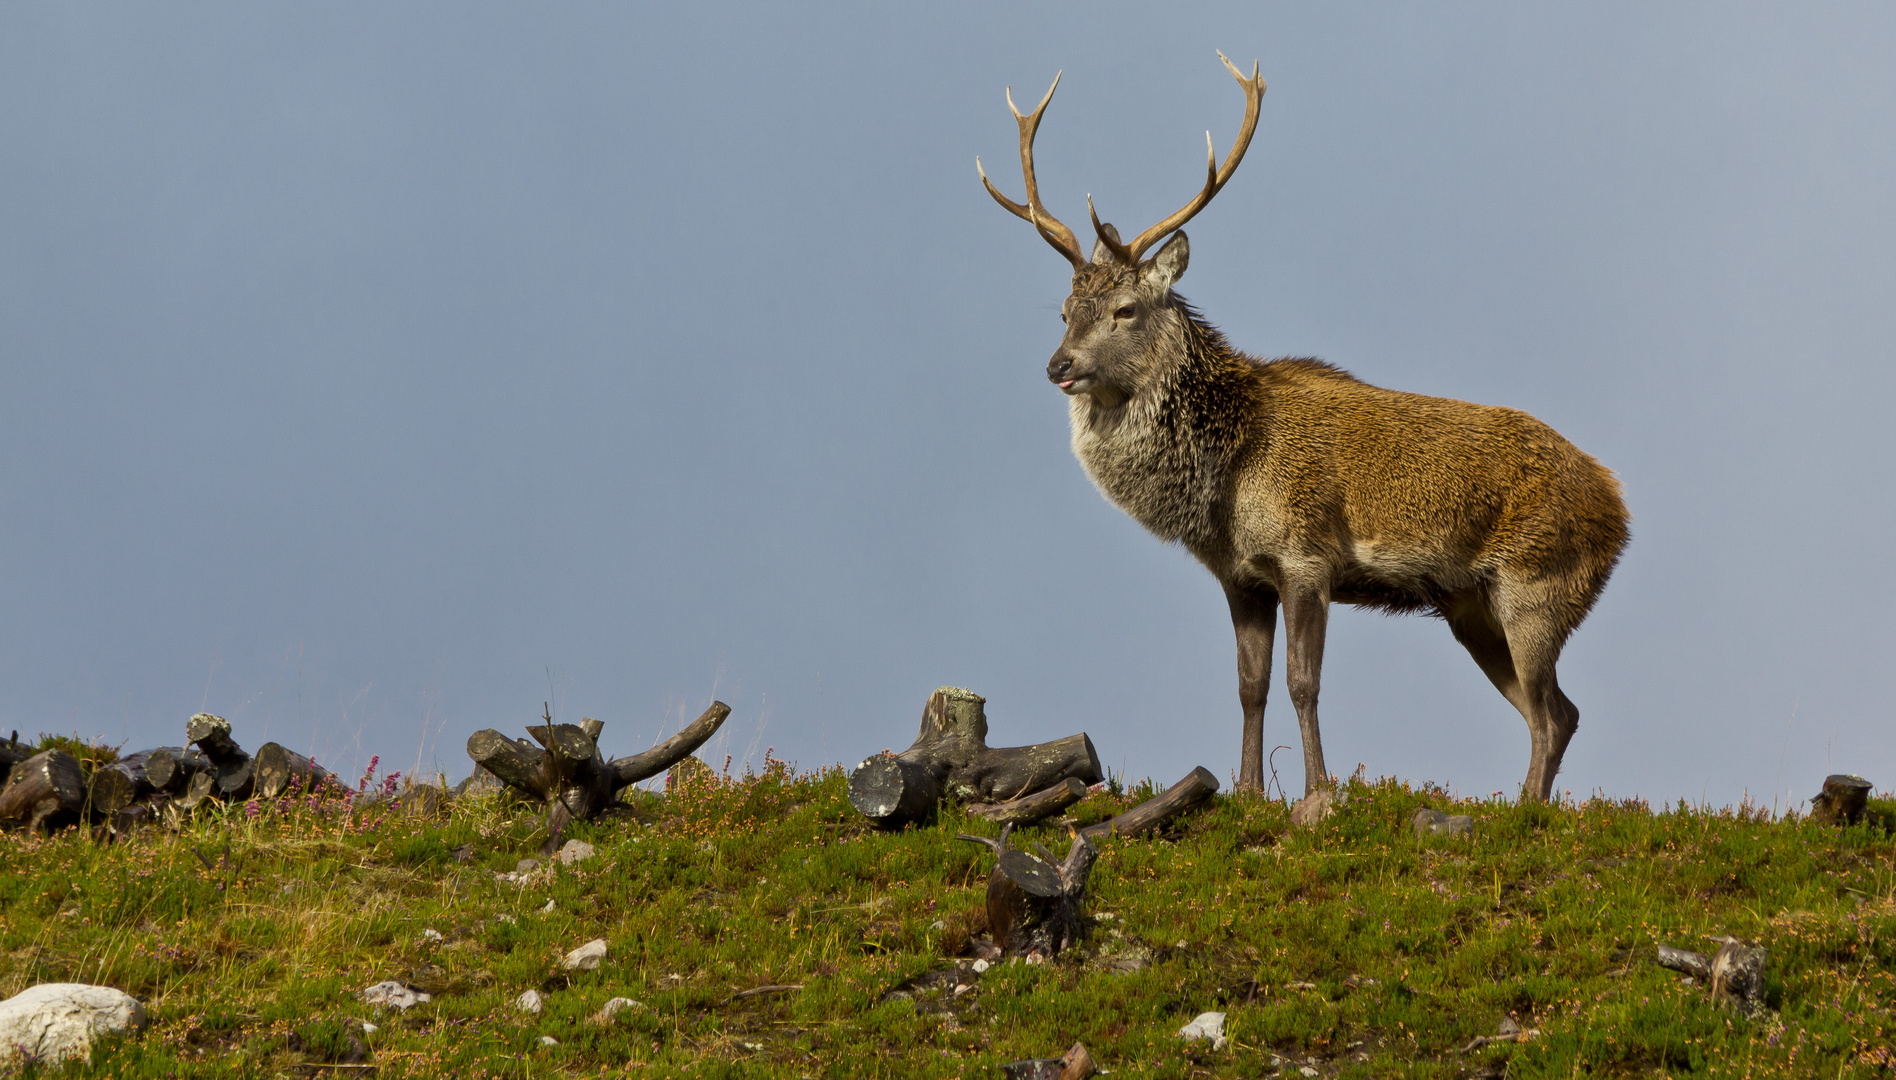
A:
[(1306, 616), (1254, 617)]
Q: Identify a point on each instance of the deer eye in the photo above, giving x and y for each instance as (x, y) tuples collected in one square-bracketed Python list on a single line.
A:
[(1123, 313)]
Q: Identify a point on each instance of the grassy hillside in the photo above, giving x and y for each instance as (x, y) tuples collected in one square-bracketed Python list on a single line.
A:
[(1350, 949)]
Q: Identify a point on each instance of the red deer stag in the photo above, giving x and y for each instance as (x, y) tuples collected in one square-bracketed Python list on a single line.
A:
[(1294, 483)]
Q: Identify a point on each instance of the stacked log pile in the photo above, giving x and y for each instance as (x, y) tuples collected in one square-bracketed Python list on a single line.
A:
[(51, 789)]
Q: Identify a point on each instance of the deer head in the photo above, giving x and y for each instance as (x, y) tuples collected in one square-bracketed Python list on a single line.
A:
[(1120, 299)]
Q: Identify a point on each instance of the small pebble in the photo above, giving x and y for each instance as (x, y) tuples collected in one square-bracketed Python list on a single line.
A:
[(980, 966), (550, 908), (548, 1040)]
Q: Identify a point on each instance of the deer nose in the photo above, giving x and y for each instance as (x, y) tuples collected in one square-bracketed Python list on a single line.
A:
[(1058, 367)]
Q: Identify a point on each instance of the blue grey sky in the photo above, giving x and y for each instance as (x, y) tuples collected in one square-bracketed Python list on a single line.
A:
[(372, 373)]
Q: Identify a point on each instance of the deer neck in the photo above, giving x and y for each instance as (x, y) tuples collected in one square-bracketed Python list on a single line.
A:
[(1166, 453)]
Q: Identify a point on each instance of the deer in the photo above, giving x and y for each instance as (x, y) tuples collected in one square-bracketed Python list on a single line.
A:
[(1297, 485)]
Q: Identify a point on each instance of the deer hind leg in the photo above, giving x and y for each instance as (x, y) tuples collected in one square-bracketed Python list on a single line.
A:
[(1306, 618), (1519, 659), (1254, 617)]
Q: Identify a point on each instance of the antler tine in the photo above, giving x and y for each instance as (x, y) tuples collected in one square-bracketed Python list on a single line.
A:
[(1215, 178), (1110, 237), (1044, 223)]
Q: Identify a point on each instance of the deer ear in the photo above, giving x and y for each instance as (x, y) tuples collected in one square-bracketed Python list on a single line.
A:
[(1165, 268), (1102, 253)]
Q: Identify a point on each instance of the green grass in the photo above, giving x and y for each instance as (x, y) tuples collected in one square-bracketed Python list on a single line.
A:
[(1351, 949)]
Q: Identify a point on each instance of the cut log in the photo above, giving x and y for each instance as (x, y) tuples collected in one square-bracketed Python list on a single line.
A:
[(234, 768), (1030, 808), (1035, 905), (200, 787), (1197, 786), (46, 789), (1842, 800), (170, 768), (121, 783), (280, 770), (950, 757), (566, 770)]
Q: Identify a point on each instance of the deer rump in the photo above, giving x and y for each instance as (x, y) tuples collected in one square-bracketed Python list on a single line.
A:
[(1298, 485)]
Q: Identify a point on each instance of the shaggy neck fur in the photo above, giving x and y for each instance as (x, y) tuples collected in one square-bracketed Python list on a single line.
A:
[(1167, 455)]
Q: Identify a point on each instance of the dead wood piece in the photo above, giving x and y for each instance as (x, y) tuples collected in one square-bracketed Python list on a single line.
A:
[(1480, 1041), (136, 816), (567, 772), (200, 787), (1029, 808), (280, 770), (951, 757), (1697, 965), (12, 752), (235, 771), (121, 783), (1078, 1064), (46, 789), (760, 991), (631, 770), (1034, 904), (1842, 800), (170, 768), (1738, 974), (1197, 786)]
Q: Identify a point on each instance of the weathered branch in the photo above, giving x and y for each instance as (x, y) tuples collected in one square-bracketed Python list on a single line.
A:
[(1197, 786), (950, 757), (631, 770), (1028, 808)]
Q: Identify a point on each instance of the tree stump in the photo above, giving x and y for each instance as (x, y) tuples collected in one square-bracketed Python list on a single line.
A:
[(278, 769), (1842, 800), (1735, 972), (1197, 786), (951, 757), (568, 773), (233, 769), (46, 789), (1033, 903)]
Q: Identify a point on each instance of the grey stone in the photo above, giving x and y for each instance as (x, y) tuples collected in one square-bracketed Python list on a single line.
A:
[(586, 957), (395, 995), (1436, 823), (54, 1021), (1208, 1025)]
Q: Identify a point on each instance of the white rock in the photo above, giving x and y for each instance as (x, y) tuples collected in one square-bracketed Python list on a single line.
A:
[(1209, 1025), (510, 919), (586, 957), (613, 1008), (52, 1021), (980, 966), (550, 908), (431, 934), (394, 994), (548, 1040), (574, 851), (530, 1002), (1308, 1071), (369, 1029)]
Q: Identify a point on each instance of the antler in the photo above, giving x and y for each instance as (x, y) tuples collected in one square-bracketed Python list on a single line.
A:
[(1215, 177), (1045, 224)]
